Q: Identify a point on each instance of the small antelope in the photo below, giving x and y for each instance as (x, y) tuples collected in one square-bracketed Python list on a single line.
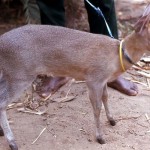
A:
[(30, 50)]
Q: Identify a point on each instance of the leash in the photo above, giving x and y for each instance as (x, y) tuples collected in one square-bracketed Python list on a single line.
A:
[(100, 13)]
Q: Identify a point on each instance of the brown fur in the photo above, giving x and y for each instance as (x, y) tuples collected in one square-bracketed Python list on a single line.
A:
[(30, 50)]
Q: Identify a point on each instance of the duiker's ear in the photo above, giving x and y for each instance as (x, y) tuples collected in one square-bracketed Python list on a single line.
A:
[(149, 28), (143, 22)]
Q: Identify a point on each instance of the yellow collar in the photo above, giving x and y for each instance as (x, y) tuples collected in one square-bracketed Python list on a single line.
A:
[(120, 56)]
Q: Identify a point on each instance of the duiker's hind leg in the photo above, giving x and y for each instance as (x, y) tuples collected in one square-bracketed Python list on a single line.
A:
[(95, 95), (7, 131), (4, 100), (105, 102)]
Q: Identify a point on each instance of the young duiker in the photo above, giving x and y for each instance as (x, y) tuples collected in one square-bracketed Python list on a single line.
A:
[(41, 49)]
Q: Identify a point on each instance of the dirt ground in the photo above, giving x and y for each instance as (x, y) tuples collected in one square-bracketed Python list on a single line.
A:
[(70, 125)]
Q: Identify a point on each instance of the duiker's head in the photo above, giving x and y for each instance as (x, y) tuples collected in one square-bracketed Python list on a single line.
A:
[(142, 27)]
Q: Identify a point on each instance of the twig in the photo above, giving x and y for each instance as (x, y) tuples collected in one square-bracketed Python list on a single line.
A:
[(31, 112), (14, 105), (45, 99), (127, 118), (147, 118), (67, 93), (71, 82), (148, 83), (147, 75), (77, 82), (136, 81), (140, 68), (39, 135)]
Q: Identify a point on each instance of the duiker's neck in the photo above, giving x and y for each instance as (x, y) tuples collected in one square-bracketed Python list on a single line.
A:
[(135, 47)]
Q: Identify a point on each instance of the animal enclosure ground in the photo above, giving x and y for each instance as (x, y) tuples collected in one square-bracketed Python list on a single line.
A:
[(70, 125)]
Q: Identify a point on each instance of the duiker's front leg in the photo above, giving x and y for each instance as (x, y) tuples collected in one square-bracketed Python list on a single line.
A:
[(7, 131), (95, 95), (105, 102)]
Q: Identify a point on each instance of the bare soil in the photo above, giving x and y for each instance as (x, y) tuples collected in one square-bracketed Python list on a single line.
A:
[(70, 125)]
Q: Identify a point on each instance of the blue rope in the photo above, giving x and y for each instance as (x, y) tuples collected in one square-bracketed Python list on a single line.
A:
[(98, 10)]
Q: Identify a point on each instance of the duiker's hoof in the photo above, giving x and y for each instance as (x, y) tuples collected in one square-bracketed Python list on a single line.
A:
[(13, 146), (101, 140), (1, 132), (112, 122)]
